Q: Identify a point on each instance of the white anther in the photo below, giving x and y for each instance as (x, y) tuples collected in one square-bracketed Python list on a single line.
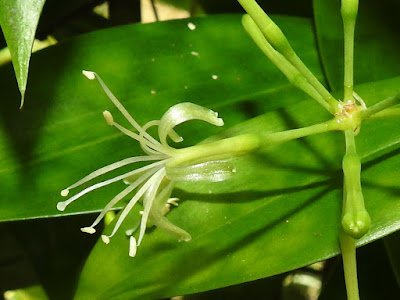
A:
[(89, 74), (89, 230), (191, 26), (105, 239), (61, 206), (132, 246), (108, 117), (65, 192), (173, 201)]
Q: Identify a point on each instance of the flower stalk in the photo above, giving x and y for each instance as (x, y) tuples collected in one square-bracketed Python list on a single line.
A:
[(274, 36), (349, 11)]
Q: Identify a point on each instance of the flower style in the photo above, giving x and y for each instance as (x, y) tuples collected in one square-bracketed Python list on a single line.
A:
[(155, 181)]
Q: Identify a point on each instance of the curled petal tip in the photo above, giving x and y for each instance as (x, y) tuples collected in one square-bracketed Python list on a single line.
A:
[(89, 74), (220, 122)]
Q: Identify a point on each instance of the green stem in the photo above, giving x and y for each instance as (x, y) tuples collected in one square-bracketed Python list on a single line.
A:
[(277, 39), (245, 143), (349, 12), (348, 247), (387, 113), (380, 106), (292, 74)]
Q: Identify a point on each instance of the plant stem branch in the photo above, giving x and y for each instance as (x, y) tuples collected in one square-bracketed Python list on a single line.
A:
[(277, 39), (381, 106), (246, 143), (292, 74), (349, 12)]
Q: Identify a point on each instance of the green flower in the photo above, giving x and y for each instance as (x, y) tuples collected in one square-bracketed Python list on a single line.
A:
[(153, 183)]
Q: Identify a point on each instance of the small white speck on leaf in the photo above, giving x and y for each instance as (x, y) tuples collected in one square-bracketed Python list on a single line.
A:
[(194, 53), (153, 92), (215, 77), (191, 26)]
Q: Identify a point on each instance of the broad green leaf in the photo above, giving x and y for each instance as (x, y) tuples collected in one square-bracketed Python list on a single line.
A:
[(280, 212), (392, 243), (61, 135), (18, 20), (376, 44)]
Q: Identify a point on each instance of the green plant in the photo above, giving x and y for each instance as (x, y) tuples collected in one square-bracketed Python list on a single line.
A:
[(279, 212)]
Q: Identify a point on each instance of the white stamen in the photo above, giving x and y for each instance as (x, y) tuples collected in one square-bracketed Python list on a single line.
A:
[(141, 212), (122, 109), (61, 205), (141, 138), (154, 188), (108, 117), (122, 194), (138, 195), (89, 74), (65, 192), (166, 209), (111, 167), (191, 26), (89, 230), (173, 201), (105, 239), (132, 246)]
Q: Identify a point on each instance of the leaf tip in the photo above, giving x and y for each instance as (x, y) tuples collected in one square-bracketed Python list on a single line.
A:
[(22, 98)]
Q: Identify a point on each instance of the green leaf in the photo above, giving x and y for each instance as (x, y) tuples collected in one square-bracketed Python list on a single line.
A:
[(61, 135), (285, 200), (376, 43), (18, 20)]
